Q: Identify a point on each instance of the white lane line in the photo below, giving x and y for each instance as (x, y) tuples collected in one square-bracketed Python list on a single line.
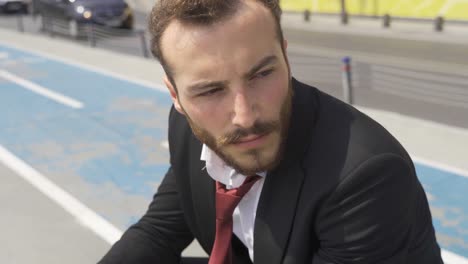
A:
[(89, 67), (41, 90), (440, 166), (81, 212), (452, 258), (165, 144)]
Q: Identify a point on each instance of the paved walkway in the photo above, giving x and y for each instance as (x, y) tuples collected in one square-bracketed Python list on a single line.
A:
[(35, 228)]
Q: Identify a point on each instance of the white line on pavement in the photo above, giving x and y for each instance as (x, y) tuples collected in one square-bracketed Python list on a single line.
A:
[(41, 90), (165, 144), (89, 67), (81, 212), (452, 258), (440, 166)]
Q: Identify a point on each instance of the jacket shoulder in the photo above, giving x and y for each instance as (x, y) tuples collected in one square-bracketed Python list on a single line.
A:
[(350, 136)]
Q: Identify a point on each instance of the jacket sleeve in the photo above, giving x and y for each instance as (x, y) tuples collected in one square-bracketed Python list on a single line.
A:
[(368, 217), (159, 236)]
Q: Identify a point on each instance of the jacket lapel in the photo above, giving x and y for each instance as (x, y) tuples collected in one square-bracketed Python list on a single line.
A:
[(203, 193), (277, 206), (275, 213)]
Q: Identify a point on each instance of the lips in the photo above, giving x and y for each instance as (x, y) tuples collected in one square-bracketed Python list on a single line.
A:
[(249, 138), (251, 141)]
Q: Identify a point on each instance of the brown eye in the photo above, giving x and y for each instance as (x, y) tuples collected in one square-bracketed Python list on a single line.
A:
[(263, 73), (210, 92)]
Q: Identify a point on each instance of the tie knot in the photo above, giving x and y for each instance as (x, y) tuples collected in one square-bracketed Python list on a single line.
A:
[(241, 190), (227, 200)]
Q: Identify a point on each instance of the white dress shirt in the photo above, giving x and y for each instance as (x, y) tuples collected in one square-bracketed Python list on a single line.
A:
[(245, 212)]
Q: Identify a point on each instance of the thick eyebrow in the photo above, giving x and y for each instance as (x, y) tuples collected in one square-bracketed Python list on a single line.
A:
[(203, 85), (206, 85), (264, 62)]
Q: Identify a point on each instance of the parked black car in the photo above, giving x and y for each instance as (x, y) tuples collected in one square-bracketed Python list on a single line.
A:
[(113, 13), (14, 6)]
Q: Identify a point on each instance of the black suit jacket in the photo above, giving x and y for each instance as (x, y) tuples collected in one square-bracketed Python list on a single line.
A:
[(345, 192)]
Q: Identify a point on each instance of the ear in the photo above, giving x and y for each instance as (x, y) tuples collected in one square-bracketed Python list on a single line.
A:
[(174, 96)]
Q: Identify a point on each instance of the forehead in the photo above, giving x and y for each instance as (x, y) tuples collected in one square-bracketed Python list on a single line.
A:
[(250, 31)]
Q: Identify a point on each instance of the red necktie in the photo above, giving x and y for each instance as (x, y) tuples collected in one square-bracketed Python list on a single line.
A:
[(226, 202)]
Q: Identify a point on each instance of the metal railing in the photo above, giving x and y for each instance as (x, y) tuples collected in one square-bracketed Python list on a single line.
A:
[(94, 35), (370, 82), (438, 23)]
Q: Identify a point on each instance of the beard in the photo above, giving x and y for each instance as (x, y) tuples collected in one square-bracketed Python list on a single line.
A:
[(258, 160)]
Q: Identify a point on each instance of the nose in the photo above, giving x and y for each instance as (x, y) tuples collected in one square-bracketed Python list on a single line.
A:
[(244, 112)]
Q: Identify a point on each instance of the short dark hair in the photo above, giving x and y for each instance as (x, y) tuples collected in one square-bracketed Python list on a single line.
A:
[(197, 12)]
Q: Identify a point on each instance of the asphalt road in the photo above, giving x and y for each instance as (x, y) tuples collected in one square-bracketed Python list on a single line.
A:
[(425, 79), (415, 49)]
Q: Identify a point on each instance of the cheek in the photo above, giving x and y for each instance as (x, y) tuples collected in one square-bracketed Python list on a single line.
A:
[(275, 94), (209, 117)]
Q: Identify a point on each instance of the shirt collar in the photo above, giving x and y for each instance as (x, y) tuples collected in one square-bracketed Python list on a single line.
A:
[(220, 171)]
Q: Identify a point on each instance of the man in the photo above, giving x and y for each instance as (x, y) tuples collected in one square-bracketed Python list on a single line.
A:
[(332, 185)]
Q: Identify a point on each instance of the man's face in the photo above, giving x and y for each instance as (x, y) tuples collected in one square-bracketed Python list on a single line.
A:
[(233, 85)]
